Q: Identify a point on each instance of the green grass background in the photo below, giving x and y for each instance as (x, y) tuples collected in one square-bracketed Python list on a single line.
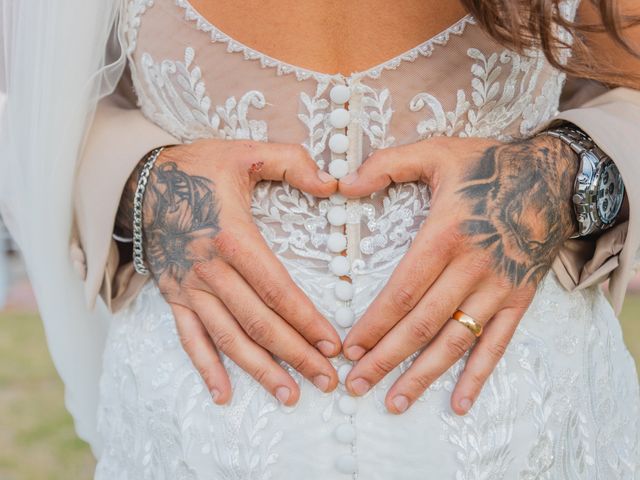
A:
[(37, 440)]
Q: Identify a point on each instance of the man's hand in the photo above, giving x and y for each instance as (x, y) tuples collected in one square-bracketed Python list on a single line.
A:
[(226, 288), (499, 214)]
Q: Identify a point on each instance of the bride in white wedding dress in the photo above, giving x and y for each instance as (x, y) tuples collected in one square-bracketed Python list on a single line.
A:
[(563, 401)]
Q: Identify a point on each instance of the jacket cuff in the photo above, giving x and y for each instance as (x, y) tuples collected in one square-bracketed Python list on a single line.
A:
[(119, 137), (611, 120)]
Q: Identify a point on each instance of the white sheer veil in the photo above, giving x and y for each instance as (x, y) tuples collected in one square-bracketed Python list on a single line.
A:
[(57, 59)]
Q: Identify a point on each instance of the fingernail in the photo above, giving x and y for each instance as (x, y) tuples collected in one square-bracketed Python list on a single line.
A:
[(400, 402), (325, 177), (465, 404), (282, 394), (215, 393), (355, 353), (325, 347), (360, 386), (322, 382), (349, 179)]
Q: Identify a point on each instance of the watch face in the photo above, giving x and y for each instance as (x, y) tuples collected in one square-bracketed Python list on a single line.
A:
[(610, 193)]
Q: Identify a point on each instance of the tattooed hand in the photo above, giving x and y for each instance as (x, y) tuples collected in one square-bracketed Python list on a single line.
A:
[(227, 290), (499, 213)]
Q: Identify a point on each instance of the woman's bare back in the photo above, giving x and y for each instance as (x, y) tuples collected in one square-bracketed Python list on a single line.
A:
[(319, 35)]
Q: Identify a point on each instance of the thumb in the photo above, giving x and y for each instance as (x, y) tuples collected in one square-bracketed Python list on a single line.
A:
[(292, 163), (382, 167)]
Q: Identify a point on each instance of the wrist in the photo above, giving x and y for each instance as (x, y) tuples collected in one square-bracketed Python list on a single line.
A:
[(566, 164), (124, 218)]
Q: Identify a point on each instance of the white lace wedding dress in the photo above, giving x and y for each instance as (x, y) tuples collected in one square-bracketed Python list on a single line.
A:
[(562, 404)]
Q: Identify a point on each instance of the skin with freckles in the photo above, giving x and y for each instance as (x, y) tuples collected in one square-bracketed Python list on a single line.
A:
[(486, 257)]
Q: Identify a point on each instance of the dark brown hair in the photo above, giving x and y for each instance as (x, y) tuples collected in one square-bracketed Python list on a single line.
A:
[(523, 24)]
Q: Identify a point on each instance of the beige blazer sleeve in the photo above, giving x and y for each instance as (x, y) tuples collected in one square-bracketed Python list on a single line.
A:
[(118, 138), (612, 119)]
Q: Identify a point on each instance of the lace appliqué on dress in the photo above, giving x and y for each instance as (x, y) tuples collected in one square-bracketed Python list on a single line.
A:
[(495, 102), (181, 105)]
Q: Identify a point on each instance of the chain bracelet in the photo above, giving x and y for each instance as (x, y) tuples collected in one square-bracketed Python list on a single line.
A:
[(138, 255)]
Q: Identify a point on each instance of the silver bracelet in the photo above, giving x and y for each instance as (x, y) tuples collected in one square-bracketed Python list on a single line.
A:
[(138, 255)]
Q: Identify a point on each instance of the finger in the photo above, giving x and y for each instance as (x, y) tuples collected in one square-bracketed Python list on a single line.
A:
[(414, 331), (247, 252), (484, 358), (231, 340), (430, 252), (269, 330), (203, 354), (291, 163), (398, 164), (451, 343)]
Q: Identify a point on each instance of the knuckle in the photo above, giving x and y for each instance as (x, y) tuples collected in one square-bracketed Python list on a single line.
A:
[(423, 331), (224, 341), (497, 350), (382, 366), (225, 245), (260, 374), (300, 150), (258, 329), (169, 293), (206, 272), (299, 361), (457, 346), (187, 342), (504, 284), (306, 324), (273, 296), (480, 262), (376, 158), (456, 234), (404, 299), (419, 383), (476, 379)]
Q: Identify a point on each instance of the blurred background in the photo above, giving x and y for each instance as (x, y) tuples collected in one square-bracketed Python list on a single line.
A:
[(37, 439)]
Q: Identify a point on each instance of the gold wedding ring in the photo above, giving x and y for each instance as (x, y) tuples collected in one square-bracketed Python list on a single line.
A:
[(468, 322)]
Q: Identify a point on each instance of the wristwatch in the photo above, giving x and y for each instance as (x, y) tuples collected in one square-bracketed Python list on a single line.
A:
[(598, 187)]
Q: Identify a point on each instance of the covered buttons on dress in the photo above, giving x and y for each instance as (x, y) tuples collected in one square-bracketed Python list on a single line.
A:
[(340, 267), (338, 168), (337, 242)]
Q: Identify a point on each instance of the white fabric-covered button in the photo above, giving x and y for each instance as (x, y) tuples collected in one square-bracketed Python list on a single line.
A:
[(344, 317), (345, 433), (347, 405), (343, 371), (343, 290), (339, 266), (338, 168), (340, 94), (337, 216), (337, 242), (339, 143), (339, 118), (347, 464)]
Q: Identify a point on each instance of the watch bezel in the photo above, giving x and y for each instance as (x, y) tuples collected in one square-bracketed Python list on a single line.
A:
[(586, 190)]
